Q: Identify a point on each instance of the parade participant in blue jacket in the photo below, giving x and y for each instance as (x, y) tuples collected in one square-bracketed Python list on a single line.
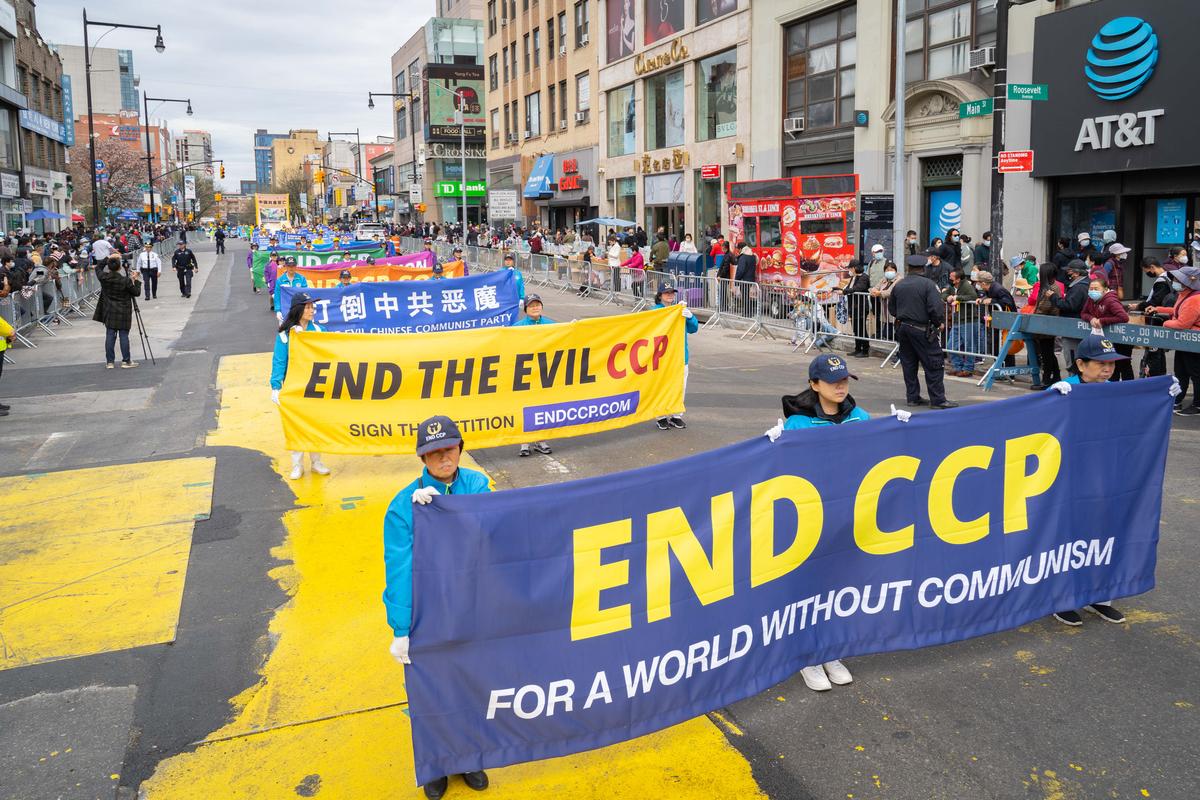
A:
[(511, 263), (289, 278), (534, 316), (666, 297), (439, 446), (299, 318)]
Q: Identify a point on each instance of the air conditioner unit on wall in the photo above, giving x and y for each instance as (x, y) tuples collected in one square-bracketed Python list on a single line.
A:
[(562, 49), (793, 125), (583, 40), (581, 116), (528, 134), (981, 57), (562, 126), (512, 138), (504, 22)]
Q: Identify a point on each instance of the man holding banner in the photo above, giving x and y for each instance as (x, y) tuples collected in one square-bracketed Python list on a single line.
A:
[(664, 298), (440, 447), (534, 316)]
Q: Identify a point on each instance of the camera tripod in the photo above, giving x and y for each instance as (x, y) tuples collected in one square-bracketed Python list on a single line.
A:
[(147, 352)]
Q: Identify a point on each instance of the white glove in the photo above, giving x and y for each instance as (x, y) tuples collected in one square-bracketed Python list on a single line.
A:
[(1062, 387), (399, 650), (776, 432), (1175, 389), (900, 414), (425, 495), (275, 396), (687, 313)]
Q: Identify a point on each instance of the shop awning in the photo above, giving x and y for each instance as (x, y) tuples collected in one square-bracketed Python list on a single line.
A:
[(609, 221), (540, 178)]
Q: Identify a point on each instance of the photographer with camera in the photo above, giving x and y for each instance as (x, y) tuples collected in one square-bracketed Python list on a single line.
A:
[(118, 293)]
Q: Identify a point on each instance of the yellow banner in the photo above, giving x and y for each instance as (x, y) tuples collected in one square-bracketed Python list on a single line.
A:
[(366, 393)]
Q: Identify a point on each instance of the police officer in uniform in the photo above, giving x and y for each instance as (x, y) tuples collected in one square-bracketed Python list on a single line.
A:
[(184, 262), (439, 446), (918, 308)]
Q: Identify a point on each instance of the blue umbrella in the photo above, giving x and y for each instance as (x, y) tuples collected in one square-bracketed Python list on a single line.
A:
[(42, 213)]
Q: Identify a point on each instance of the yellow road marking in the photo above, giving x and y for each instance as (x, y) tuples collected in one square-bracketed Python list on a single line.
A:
[(329, 709), (94, 560)]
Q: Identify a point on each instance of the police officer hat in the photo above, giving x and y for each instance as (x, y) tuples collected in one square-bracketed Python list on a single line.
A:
[(915, 262), (437, 433)]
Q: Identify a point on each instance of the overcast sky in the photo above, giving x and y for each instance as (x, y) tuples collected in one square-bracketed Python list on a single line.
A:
[(309, 65)]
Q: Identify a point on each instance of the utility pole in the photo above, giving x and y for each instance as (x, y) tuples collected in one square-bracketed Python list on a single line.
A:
[(999, 105), (899, 185)]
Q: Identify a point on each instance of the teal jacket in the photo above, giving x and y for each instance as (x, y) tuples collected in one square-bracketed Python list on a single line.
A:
[(520, 282), (398, 541), (282, 281), (690, 324), (801, 411), (279, 360), (528, 321)]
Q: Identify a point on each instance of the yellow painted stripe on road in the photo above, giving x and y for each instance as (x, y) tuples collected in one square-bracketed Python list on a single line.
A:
[(327, 717), (94, 560)]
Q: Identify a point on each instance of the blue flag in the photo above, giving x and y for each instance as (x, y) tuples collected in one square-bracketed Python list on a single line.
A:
[(455, 304), (556, 619)]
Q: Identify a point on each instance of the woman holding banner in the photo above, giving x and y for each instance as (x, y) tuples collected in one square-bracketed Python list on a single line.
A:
[(289, 278), (299, 318)]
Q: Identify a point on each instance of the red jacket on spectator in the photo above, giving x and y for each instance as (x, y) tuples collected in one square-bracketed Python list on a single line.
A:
[(1107, 309), (1186, 313), (1033, 294)]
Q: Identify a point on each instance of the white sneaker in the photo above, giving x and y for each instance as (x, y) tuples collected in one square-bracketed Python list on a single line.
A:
[(128, 364), (297, 473), (815, 678), (838, 673), (297, 466), (318, 466)]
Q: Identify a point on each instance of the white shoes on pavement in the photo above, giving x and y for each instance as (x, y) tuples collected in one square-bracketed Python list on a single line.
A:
[(318, 466), (822, 677)]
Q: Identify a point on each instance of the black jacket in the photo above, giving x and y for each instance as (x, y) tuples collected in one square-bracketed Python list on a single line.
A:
[(1161, 294), (807, 404), (184, 259), (915, 299), (115, 306), (950, 253), (1071, 303), (859, 284), (747, 268), (1001, 297)]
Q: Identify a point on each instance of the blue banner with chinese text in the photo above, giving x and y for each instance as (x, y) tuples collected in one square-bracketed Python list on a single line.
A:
[(454, 304), (552, 620)]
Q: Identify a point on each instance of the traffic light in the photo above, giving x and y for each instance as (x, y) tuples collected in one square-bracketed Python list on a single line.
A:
[(421, 207), (217, 196), (222, 172), (320, 176)]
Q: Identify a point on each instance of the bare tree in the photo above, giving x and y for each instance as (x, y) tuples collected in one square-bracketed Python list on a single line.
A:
[(120, 185), (293, 184)]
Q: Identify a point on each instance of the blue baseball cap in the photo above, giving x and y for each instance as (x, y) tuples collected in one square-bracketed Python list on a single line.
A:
[(829, 368), (1097, 348), (437, 269), (437, 433)]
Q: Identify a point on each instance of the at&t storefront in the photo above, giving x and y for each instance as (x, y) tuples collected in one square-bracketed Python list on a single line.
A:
[(1119, 138)]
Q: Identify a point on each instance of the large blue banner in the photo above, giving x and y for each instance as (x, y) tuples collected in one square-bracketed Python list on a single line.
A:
[(456, 304), (557, 619)]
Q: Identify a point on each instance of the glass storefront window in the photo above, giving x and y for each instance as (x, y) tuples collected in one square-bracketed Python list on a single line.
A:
[(819, 69), (622, 122), (8, 142), (716, 96), (626, 202), (664, 103)]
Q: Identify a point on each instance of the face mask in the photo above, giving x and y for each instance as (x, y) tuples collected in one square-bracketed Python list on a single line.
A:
[(987, 242), (1095, 294), (1176, 285), (911, 241), (954, 239), (889, 274), (1085, 243), (1182, 259), (878, 256)]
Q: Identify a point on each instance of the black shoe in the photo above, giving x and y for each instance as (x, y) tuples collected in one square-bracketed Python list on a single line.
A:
[(1036, 387), (435, 789), (3, 413), (476, 780), (662, 424), (1106, 612), (677, 422), (1190, 411), (4, 407), (1071, 618), (944, 404), (920, 401)]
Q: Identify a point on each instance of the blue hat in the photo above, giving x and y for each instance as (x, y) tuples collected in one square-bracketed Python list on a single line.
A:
[(437, 269), (829, 368), (301, 299), (437, 433), (1097, 348), (666, 286)]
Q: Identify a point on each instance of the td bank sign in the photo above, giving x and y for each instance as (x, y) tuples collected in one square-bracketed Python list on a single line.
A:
[(455, 188), (1115, 79)]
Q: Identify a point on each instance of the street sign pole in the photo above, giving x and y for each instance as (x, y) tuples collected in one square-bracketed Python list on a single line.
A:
[(999, 95)]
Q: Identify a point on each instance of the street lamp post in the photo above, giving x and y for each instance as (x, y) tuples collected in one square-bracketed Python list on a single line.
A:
[(357, 153), (87, 77), (149, 164), (412, 135)]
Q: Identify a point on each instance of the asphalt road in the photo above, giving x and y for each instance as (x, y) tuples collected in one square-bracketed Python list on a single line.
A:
[(1040, 712)]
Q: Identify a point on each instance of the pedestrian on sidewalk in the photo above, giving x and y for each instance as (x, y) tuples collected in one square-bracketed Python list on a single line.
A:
[(7, 335), (118, 293), (440, 448), (184, 262), (299, 318), (148, 264), (826, 401), (534, 316)]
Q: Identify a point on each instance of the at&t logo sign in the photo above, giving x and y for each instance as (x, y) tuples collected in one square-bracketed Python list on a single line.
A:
[(1120, 61)]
